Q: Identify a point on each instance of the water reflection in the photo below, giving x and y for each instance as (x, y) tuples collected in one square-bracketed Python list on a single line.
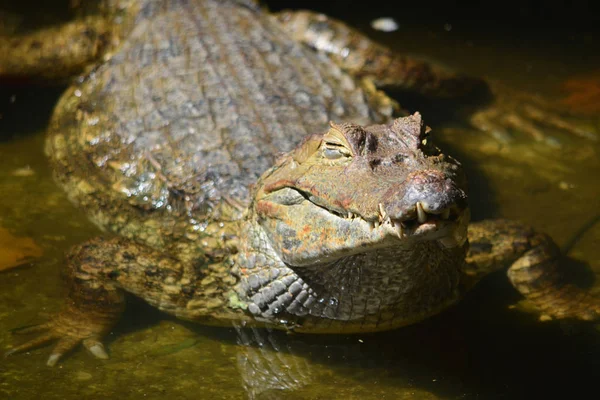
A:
[(452, 356), (269, 366)]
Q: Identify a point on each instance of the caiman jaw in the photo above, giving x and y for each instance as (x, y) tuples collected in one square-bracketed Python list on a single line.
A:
[(421, 222), (447, 225)]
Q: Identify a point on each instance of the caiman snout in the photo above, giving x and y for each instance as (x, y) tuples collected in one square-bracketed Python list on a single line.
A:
[(425, 195)]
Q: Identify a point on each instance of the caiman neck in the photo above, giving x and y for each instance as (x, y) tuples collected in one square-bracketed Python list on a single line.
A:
[(371, 291)]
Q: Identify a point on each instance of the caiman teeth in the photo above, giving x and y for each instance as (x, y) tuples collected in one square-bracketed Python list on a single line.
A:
[(382, 213), (350, 215), (399, 230), (421, 214)]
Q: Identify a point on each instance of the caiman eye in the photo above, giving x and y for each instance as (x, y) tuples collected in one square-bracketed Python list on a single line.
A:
[(334, 151)]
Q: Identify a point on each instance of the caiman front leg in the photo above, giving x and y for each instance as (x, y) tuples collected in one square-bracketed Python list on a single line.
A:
[(498, 109), (534, 269), (99, 273)]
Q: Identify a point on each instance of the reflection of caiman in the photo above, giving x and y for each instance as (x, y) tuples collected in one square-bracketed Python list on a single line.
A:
[(356, 229)]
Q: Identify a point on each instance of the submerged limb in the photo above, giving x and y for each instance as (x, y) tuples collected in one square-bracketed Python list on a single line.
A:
[(99, 272), (364, 58), (88, 315), (57, 52), (534, 269), (524, 113), (538, 276)]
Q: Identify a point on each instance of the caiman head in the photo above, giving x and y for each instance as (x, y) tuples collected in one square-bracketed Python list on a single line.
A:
[(354, 189)]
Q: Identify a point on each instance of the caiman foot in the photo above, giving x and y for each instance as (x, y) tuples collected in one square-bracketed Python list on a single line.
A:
[(537, 276), (98, 273), (93, 307), (536, 269), (70, 327), (527, 114)]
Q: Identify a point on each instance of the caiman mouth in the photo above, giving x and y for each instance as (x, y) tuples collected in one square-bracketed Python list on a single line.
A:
[(413, 222), (416, 221)]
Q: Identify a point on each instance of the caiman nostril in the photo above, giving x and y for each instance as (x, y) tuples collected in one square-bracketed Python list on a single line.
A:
[(425, 195)]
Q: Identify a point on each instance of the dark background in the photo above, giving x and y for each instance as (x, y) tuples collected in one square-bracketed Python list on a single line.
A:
[(570, 27), (547, 20), (535, 18)]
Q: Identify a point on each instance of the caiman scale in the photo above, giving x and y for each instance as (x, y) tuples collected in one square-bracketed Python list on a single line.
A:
[(201, 140)]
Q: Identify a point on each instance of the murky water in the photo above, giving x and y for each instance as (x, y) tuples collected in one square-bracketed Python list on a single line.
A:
[(480, 349)]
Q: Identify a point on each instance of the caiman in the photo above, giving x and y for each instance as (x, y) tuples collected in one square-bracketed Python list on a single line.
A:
[(201, 140)]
